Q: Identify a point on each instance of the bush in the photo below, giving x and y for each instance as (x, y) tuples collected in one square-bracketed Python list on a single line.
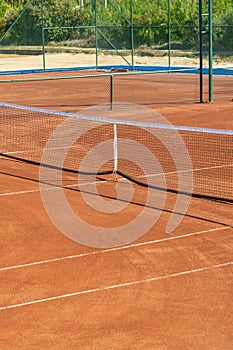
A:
[(223, 32), (150, 19), (57, 13)]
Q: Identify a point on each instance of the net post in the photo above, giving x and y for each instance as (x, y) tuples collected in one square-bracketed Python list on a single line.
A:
[(115, 149), (111, 91)]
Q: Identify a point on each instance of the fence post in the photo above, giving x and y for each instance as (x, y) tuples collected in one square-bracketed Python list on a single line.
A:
[(210, 51), (169, 34), (200, 52), (42, 32), (132, 33), (96, 35)]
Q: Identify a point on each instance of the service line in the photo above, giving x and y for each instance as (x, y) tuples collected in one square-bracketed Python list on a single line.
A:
[(103, 251), (115, 286)]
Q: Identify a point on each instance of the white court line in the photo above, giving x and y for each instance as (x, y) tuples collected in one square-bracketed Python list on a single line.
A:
[(188, 170), (111, 249), (15, 193), (115, 286), (121, 179), (51, 188), (35, 150)]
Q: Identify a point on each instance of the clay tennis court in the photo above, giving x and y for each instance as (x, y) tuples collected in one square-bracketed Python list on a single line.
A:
[(162, 291)]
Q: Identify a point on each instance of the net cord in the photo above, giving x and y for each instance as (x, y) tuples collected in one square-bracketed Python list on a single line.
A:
[(117, 122)]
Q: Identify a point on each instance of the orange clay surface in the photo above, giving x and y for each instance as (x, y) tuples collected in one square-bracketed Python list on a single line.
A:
[(161, 292)]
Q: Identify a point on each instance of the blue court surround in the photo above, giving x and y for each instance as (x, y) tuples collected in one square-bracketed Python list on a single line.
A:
[(187, 70)]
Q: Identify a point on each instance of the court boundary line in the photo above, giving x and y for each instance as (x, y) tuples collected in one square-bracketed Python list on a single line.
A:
[(115, 286), (51, 188), (97, 252)]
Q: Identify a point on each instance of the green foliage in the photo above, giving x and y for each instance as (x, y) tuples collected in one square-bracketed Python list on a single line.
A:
[(149, 17), (7, 15), (223, 34), (3, 9), (56, 13)]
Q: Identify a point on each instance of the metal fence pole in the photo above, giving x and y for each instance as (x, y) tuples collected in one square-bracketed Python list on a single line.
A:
[(210, 51), (96, 35), (169, 33), (132, 33), (42, 32), (200, 52)]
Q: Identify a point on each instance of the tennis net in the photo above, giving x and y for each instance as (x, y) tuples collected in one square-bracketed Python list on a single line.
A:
[(190, 161)]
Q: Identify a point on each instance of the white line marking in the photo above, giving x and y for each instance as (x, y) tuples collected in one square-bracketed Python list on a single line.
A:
[(115, 286), (111, 249), (36, 150), (121, 179), (15, 193), (188, 170), (52, 188)]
